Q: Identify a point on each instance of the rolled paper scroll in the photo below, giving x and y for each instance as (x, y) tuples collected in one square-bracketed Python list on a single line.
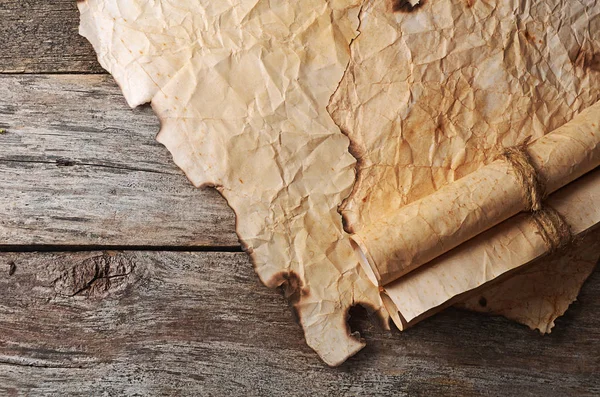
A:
[(421, 231), (490, 257)]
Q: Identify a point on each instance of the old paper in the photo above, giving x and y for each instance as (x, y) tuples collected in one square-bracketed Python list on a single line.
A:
[(432, 91), (493, 254), (431, 94), (419, 232), (556, 283), (241, 89)]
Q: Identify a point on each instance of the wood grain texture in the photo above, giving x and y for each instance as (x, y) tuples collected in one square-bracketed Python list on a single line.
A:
[(41, 37), (78, 167), (157, 323)]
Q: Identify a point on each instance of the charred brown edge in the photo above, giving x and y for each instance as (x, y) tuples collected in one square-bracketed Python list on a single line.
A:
[(360, 310), (291, 286), (587, 60), (405, 6)]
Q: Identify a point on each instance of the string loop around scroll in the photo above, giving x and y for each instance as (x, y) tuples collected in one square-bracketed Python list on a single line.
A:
[(555, 231), (527, 175)]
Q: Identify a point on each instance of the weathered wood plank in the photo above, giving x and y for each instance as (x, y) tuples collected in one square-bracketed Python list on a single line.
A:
[(78, 167), (201, 324), (41, 37)]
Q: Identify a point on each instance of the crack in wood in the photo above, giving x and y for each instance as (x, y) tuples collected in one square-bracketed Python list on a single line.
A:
[(101, 275), (12, 268), (121, 248), (26, 362), (62, 162)]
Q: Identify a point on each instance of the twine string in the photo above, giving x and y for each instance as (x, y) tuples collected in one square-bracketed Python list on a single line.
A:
[(553, 228)]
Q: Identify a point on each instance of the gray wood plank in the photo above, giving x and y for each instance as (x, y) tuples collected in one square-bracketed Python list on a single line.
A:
[(41, 37), (177, 323), (78, 167)]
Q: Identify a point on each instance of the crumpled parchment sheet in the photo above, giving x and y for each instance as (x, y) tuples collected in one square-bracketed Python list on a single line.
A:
[(241, 89)]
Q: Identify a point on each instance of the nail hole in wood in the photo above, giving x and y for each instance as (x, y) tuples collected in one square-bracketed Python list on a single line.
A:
[(482, 302), (12, 268)]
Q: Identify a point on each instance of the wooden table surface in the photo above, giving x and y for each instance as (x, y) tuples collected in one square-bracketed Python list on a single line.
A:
[(117, 277)]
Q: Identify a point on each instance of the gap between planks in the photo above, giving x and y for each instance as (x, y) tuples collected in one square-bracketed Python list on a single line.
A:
[(120, 248)]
